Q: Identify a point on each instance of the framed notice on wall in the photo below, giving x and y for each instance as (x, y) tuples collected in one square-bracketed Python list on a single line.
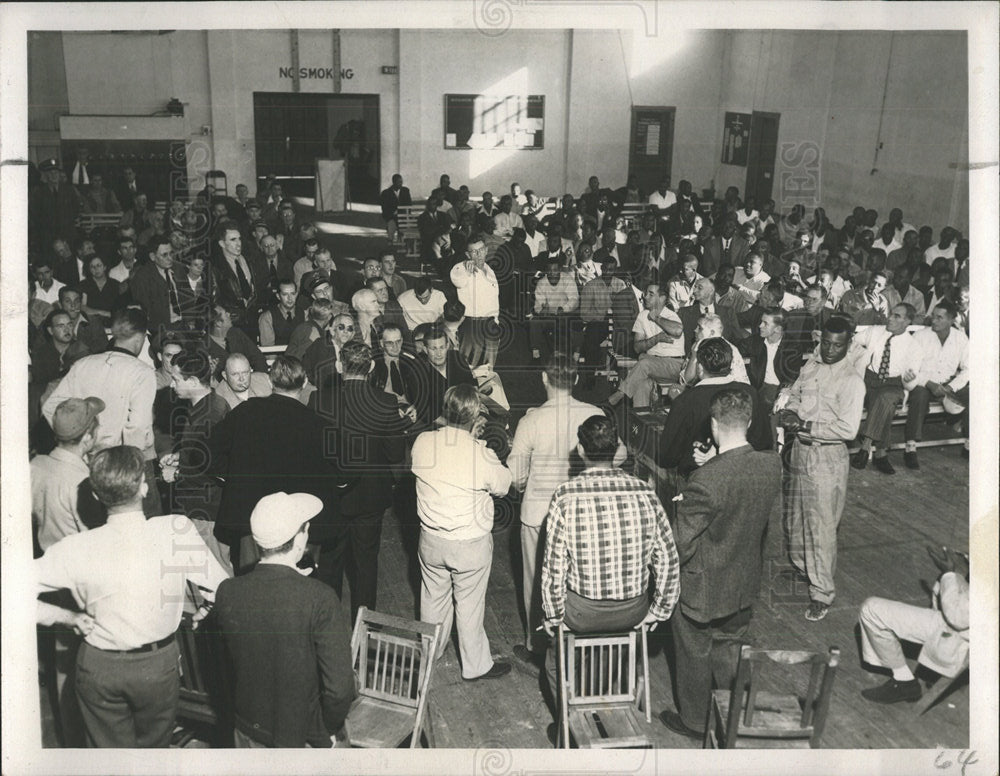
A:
[(736, 139), (483, 122)]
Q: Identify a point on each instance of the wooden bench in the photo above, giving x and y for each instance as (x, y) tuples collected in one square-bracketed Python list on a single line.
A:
[(88, 222), (407, 233)]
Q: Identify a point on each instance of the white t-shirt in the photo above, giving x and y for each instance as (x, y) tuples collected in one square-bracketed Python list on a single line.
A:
[(416, 312), (646, 328)]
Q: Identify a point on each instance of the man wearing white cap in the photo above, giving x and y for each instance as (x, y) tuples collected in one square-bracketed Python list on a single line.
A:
[(287, 628)]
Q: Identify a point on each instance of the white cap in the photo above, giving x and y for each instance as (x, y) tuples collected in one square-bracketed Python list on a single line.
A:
[(279, 516)]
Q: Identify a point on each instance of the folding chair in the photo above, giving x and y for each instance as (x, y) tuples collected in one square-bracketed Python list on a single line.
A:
[(393, 662), (603, 684), (204, 687), (749, 717), (940, 687)]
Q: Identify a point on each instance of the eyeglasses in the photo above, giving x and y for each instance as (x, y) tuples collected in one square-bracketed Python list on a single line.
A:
[(341, 327)]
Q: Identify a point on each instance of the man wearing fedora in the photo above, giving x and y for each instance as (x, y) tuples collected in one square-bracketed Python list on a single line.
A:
[(280, 624), (53, 207)]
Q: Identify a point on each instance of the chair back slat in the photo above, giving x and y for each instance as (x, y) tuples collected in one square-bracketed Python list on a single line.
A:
[(601, 668)]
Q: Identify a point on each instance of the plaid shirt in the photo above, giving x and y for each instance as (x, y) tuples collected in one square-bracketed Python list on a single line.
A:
[(605, 529)]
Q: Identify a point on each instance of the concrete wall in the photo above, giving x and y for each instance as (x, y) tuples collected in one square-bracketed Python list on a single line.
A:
[(827, 86)]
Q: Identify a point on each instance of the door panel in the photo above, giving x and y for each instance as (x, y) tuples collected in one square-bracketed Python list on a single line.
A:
[(761, 155), (651, 145)]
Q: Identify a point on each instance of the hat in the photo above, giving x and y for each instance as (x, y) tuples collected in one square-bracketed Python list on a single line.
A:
[(259, 222), (279, 516), (74, 416), (315, 279), (252, 203), (49, 164)]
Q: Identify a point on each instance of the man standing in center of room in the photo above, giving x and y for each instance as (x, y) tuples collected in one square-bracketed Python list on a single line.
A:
[(822, 412)]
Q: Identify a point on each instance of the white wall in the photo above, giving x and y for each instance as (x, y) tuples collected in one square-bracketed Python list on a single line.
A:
[(827, 86)]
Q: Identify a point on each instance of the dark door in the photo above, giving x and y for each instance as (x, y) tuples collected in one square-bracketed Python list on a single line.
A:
[(651, 146), (293, 130), (761, 155)]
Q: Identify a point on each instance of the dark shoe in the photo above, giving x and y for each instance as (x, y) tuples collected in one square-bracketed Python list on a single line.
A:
[(893, 692), (525, 655), (883, 465), (860, 459), (674, 722), (910, 459), (500, 668), (817, 611)]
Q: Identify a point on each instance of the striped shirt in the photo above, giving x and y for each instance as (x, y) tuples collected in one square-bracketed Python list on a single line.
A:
[(605, 530)]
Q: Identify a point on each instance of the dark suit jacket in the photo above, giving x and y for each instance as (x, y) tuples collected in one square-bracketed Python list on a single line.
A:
[(430, 386), (787, 359), (150, 291), (389, 201), (690, 314), (227, 287), (409, 370), (371, 441), (272, 444), (714, 255), (52, 214), (721, 523), (196, 492), (688, 422)]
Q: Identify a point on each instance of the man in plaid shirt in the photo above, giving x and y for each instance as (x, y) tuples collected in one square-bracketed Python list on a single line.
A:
[(605, 528)]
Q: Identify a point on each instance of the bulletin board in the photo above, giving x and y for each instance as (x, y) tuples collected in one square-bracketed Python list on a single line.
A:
[(736, 138), (486, 122)]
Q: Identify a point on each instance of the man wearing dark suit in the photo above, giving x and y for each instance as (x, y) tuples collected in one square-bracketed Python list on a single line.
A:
[(266, 445), (52, 207), (721, 521), (155, 286), (128, 188), (726, 248), (370, 430), (241, 285), (774, 360), (688, 421), (390, 200), (396, 372), (703, 303), (441, 369)]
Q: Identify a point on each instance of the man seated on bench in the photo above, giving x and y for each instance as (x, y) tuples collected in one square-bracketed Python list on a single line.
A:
[(944, 372), (888, 359), (943, 630), (659, 339)]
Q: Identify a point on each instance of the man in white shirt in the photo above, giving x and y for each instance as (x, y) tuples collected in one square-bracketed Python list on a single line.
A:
[(479, 291), (887, 239), (943, 372), (659, 339), (888, 358), (506, 221), (131, 577), (457, 477), (663, 198), (557, 300), (46, 286), (681, 286), (751, 278), (122, 271), (945, 247), (539, 462), (421, 304), (125, 385)]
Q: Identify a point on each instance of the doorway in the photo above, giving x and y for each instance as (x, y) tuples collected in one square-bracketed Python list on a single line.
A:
[(761, 154), (651, 146), (292, 130)]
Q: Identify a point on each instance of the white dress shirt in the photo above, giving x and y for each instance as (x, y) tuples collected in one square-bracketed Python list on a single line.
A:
[(479, 291), (904, 353), (946, 363), (52, 295), (457, 477), (125, 385), (540, 454), (131, 576), (662, 201)]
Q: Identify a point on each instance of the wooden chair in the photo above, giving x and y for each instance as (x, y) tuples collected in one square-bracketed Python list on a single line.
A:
[(406, 227), (941, 686), (393, 662), (604, 682), (749, 717)]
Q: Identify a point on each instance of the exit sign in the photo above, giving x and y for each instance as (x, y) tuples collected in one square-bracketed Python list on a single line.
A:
[(390, 69)]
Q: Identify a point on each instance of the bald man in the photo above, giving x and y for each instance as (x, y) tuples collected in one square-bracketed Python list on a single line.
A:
[(239, 382)]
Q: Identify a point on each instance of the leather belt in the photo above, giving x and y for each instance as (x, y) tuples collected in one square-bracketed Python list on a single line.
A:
[(150, 647)]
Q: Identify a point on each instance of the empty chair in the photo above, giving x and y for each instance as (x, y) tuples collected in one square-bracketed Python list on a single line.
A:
[(393, 661), (604, 682), (204, 689), (750, 717)]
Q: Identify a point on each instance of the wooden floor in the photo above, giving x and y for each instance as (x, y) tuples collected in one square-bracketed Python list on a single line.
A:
[(886, 525)]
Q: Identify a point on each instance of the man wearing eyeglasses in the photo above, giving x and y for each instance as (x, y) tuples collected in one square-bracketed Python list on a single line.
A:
[(479, 291), (322, 356)]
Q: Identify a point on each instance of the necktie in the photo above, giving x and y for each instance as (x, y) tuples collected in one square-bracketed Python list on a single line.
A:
[(245, 291), (395, 378), (883, 367), (725, 247), (272, 269), (174, 303)]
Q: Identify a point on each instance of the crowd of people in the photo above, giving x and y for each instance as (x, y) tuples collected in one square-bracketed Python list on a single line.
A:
[(156, 413)]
